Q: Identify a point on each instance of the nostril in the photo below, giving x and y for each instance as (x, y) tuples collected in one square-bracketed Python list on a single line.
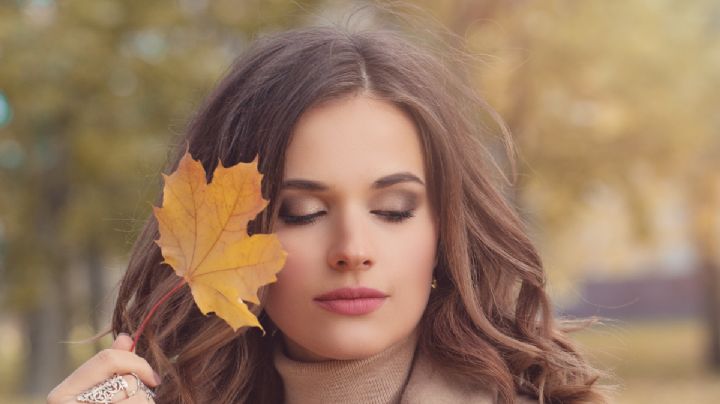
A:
[(351, 263)]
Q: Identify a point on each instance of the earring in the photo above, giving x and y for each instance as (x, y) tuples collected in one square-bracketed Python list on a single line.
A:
[(434, 283)]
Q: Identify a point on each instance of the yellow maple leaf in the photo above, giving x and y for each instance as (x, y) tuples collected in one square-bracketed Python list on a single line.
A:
[(203, 237)]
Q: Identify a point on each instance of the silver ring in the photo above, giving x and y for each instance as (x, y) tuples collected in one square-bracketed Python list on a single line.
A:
[(141, 386), (137, 386), (103, 392)]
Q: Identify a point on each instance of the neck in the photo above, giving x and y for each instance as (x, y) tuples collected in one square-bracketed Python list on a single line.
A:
[(377, 379)]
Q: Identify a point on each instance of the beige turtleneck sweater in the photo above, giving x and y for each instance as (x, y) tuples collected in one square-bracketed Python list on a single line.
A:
[(379, 379), (400, 374)]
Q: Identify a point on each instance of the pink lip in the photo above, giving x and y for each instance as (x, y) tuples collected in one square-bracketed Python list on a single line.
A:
[(351, 301)]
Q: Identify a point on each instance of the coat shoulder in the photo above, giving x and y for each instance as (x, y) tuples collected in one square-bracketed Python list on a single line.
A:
[(429, 384)]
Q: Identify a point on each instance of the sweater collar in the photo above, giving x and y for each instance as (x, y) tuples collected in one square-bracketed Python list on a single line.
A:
[(379, 379)]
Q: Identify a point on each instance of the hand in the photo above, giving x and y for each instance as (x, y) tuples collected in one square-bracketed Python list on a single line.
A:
[(115, 360)]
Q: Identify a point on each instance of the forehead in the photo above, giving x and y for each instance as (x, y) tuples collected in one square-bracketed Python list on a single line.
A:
[(354, 140)]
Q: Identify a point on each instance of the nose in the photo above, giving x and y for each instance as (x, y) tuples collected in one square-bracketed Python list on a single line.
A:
[(350, 249)]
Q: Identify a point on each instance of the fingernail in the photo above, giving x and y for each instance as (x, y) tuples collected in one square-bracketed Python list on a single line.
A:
[(157, 377), (124, 333)]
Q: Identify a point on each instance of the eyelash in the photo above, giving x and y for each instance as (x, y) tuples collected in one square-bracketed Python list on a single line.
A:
[(390, 215)]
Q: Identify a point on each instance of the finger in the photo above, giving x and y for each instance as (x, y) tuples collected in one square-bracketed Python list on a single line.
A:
[(104, 365), (122, 342), (135, 389)]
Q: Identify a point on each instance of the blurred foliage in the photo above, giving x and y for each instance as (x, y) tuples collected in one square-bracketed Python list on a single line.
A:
[(613, 85), (613, 106), (97, 89)]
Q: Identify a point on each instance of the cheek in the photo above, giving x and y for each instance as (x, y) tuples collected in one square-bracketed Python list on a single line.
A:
[(298, 271), (411, 258), (415, 250)]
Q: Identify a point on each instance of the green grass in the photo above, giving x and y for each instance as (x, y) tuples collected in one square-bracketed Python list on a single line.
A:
[(654, 362)]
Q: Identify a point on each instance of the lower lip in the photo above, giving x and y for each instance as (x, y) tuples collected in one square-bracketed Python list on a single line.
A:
[(352, 307)]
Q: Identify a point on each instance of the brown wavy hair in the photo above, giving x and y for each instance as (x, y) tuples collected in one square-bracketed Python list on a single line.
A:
[(489, 321)]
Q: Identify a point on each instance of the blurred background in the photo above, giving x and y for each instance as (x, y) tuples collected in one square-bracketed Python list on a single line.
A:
[(613, 106)]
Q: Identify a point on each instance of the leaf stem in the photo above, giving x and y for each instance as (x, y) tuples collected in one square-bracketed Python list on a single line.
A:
[(153, 309)]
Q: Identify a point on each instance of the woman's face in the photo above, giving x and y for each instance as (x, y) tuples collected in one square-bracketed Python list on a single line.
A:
[(354, 213)]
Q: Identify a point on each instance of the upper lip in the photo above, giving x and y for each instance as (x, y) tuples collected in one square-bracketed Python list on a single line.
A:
[(351, 293)]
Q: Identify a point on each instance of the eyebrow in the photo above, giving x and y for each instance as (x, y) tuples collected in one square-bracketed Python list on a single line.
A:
[(382, 182)]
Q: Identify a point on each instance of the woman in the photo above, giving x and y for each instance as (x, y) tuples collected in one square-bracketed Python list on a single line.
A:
[(376, 178)]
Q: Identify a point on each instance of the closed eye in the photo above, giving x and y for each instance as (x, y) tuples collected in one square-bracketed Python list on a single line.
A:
[(395, 216), (388, 215), (300, 220)]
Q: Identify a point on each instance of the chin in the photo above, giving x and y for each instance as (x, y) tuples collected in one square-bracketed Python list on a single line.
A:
[(349, 344)]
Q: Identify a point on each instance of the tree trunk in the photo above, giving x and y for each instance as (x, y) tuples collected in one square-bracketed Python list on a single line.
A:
[(709, 278), (706, 198), (47, 326), (96, 285), (49, 319)]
